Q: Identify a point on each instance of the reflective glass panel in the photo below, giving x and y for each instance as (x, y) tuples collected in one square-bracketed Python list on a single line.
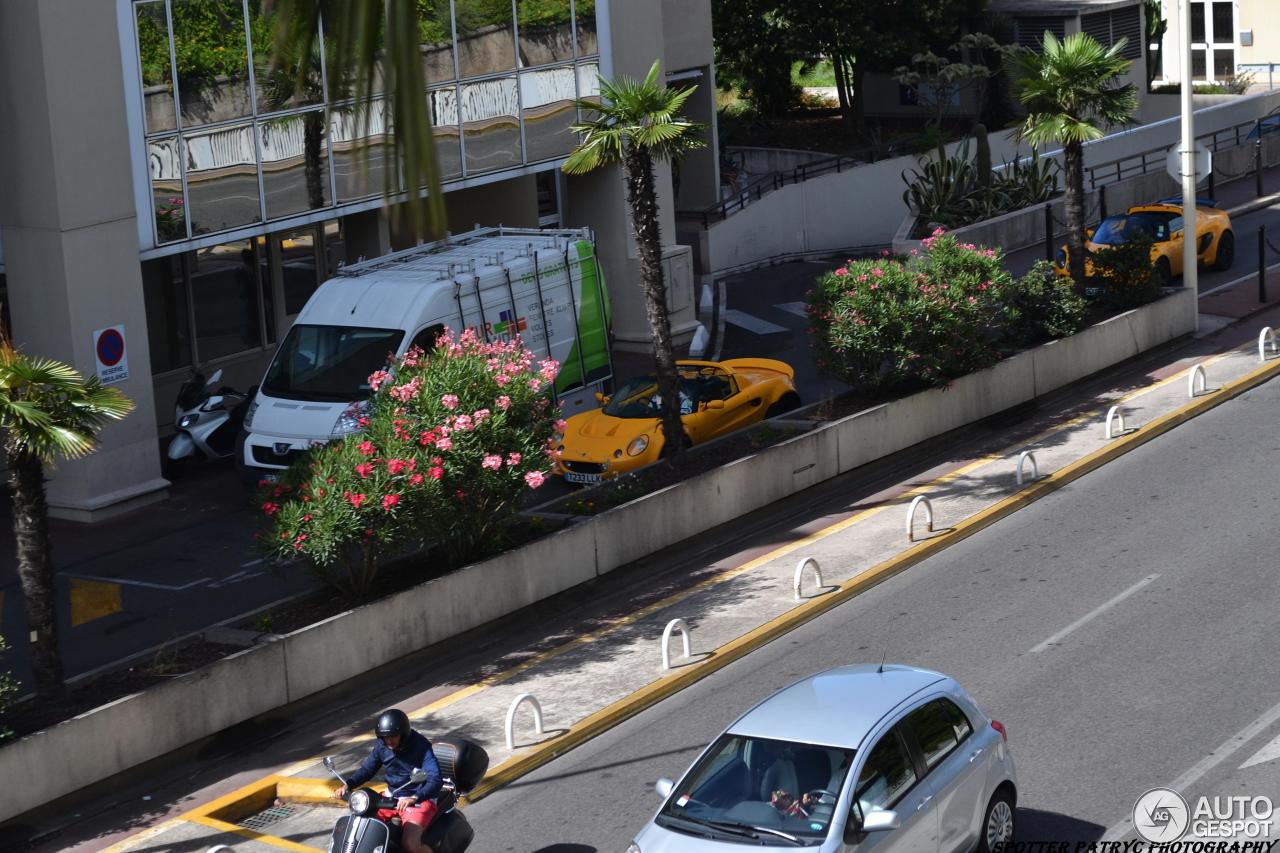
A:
[(335, 247), (352, 129), (585, 21), (213, 60), (157, 72), (276, 82), (226, 295), (1198, 64), (1197, 22), (168, 325), (589, 82), (222, 179), (1224, 64), (1224, 24), (546, 102), (298, 268), (295, 163), (435, 32), (490, 123), (486, 37), (546, 31), (166, 189), (444, 124)]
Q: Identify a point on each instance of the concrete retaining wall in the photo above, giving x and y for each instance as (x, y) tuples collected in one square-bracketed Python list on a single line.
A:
[(134, 729)]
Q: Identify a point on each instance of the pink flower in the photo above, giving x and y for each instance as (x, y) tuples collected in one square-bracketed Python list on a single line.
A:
[(389, 501), (444, 443), (535, 384), (938, 232), (270, 508), (355, 500), (395, 466), (504, 402), (436, 473), (862, 277), (415, 480), (513, 458), (367, 448), (364, 469), (502, 379), (842, 272), (463, 423), (534, 479), (877, 272), (410, 358), (405, 393), (449, 401), (884, 253), (377, 378), (492, 462), (481, 415), (561, 425), (548, 368)]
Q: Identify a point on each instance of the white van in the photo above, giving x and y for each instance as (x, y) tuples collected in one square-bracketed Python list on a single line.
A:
[(544, 285)]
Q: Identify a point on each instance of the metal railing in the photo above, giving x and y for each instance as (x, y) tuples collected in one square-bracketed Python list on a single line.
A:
[(1153, 159)]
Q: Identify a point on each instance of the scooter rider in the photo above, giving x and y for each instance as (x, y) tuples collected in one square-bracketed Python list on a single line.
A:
[(398, 752)]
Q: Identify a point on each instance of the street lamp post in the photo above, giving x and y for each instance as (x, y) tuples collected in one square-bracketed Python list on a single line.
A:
[(1189, 271)]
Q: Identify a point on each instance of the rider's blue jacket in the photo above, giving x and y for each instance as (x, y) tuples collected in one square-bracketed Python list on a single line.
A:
[(398, 766)]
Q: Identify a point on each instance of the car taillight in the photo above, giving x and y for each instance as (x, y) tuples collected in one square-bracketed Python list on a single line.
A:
[(999, 726)]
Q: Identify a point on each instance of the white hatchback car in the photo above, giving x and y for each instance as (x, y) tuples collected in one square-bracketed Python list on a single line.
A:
[(884, 758)]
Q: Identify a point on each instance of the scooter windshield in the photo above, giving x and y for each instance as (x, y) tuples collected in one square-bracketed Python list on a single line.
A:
[(330, 363)]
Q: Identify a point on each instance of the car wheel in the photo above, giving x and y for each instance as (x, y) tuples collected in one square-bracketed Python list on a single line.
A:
[(997, 826), (1164, 273), (788, 402), (1226, 255)]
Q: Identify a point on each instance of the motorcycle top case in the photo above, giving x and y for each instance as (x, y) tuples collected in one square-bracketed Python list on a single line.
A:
[(461, 760)]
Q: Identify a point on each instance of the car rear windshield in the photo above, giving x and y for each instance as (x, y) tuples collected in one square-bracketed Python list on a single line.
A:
[(1115, 230), (762, 789), (330, 363)]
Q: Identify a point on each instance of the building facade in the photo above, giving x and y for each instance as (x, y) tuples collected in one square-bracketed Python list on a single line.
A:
[(1228, 38), (160, 175)]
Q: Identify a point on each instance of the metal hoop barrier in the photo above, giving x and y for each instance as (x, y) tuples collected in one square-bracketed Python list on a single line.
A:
[(1025, 456), (220, 848), (1267, 339), (511, 717), (1114, 413), (911, 516), (674, 625), (1197, 371), (817, 575)]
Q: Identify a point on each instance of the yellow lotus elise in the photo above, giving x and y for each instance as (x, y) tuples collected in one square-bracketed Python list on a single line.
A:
[(715, 398), (1161, 222)]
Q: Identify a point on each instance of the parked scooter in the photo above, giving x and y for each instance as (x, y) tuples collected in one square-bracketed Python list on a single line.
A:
[(462, 765), (208, 421)]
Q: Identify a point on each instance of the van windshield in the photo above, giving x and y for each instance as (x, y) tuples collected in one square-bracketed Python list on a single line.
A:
[(330, 363)]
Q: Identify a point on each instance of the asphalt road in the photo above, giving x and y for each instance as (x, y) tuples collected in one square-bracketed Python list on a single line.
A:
[(1177, 680)]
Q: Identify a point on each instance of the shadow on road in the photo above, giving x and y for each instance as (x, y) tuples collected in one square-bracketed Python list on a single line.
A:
[(1037, 825)]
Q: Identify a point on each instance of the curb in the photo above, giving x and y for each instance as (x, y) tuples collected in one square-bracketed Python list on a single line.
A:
[(612, 715), (1260, 203)]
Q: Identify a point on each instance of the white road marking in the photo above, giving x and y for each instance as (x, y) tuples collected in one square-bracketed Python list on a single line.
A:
[(752, 324), (1239, 280), (1270, 752), (1092, 614), (1210, 761), (253, 562), (796, 308), (147, 584), (238, 577)]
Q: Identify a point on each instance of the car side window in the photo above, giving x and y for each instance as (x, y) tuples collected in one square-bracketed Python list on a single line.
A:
[(426, 339), (939, 727), (887, 774), (1175, 225)]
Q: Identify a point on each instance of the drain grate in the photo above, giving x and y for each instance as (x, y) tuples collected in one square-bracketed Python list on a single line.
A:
[(268, 816)]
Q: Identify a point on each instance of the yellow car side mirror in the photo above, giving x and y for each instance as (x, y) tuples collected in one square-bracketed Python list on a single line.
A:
[(601, 399), (1088, 234)]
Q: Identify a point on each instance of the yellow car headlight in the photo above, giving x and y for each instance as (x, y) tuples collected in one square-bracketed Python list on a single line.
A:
[(638, 445)]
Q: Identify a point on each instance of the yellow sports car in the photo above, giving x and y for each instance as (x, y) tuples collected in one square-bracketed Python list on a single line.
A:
[(1162, 223), (715, 398)]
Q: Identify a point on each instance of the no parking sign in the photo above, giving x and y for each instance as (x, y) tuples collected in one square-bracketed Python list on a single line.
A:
[(110, 353)]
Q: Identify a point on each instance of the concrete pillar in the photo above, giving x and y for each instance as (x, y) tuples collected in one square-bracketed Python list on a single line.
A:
[(366, 234), (70, 232)]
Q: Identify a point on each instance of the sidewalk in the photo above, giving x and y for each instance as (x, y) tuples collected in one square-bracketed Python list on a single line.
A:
[(586, 684)]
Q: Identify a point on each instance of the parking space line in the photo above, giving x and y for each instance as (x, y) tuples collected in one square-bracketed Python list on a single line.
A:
[(1092, 614), (752, 323)]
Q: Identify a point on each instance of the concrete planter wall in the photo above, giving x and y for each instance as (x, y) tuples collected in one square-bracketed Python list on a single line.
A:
[(134, 729)]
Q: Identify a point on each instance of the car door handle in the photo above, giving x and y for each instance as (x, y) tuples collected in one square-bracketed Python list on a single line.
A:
[(974, 756), (924, 802)]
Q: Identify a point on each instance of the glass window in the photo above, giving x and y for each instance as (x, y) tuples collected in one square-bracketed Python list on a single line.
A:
[(589, 83), (546, 101), (354, 179), (213, 60), (426, 339), (1198, 64), (887, 775), (164, 292), (1224, 24), (157, 71), (166, 189), (222, 179), (585, 27), (227, 297), (486, 37), (335, 247), (1224, 64), (298, 269), (939, 726), (435, 32), (330, 363), (1197, 23), (444, 126), (295, 163), (276, 82), (546, 31), (548, 199), (490, 122)]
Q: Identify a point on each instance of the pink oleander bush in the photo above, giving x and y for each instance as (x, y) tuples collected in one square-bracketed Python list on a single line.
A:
[(891, 325), (451, 442)]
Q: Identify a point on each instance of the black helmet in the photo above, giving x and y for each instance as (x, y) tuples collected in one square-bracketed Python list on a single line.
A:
[(393, 722)]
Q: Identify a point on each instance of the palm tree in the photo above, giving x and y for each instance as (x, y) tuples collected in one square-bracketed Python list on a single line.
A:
[(47, 410), (1072, 92), (635, 125)]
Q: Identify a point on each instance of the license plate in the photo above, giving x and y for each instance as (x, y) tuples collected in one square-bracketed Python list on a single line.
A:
[(584, 479)]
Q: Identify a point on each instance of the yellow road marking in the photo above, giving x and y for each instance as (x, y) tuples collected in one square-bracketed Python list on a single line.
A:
[(253, 835), (92, 600)]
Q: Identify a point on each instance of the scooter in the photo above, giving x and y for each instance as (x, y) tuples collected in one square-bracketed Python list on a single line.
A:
[(462, 764), (208, 421)]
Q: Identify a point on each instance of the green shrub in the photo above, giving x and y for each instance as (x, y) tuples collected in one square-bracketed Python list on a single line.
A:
[(1123, 274), (1042, 306)]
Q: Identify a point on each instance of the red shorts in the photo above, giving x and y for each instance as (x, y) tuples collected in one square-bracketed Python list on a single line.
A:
[(421, 814)]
